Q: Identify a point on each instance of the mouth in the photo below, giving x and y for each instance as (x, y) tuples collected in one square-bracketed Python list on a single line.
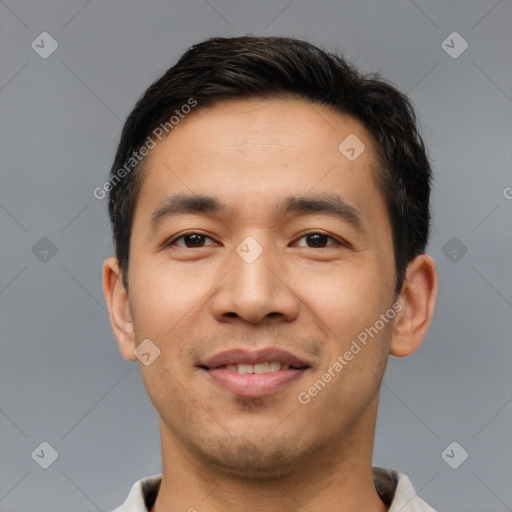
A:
[(254, 374)]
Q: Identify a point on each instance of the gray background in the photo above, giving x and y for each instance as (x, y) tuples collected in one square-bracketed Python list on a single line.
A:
[(62, 378)]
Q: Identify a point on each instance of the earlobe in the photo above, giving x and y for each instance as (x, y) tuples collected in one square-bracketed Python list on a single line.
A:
[(418, 297), (116, 297)]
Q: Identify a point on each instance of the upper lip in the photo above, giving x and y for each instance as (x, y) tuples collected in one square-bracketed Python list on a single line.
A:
[(241, 356)]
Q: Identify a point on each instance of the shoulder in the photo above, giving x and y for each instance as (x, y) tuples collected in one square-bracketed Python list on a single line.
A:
[(397, 491), (142, 495)]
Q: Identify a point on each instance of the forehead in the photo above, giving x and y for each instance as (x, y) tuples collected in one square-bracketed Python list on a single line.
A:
[(278, 123), (246, 151)]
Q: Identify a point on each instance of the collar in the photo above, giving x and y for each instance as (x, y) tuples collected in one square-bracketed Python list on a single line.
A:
[(394, 488)]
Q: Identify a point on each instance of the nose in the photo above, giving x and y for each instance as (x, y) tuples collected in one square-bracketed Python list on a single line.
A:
[(255, 290)]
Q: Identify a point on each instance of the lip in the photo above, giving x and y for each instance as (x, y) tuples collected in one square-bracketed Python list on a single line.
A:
[(253, 385), (240, 356)]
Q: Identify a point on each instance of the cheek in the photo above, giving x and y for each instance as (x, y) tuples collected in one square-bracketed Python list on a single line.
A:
[(346, 300), (162, 298), (165, 303), (349, 304)]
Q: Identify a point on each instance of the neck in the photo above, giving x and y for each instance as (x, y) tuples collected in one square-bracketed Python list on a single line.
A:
[(337, 477)]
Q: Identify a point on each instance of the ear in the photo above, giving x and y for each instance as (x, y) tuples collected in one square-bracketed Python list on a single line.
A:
[(418, 297), (119, 307)]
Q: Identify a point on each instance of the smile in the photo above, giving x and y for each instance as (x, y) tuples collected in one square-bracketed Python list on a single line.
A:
[(254, 374), (257, 368)]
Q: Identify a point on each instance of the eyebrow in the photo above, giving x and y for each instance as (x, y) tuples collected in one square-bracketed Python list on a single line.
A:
[(330, 204), (180, 204)]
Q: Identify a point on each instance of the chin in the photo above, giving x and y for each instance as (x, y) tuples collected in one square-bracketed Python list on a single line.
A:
[(262, 459)]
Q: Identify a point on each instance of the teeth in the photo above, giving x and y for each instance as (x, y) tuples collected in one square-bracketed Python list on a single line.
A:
[(245, 368), (274, 366), (262, 368)]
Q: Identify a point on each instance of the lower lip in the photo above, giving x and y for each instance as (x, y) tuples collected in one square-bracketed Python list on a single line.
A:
[(254, 385)]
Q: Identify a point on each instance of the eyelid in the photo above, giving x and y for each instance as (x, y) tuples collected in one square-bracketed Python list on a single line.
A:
[(173, 239), (338, 241)]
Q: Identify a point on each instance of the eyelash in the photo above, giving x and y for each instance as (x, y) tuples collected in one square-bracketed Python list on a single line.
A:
[(171, 242)]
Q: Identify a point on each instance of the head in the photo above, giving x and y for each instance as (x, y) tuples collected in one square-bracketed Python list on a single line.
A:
[(254, 128), (269, 67)]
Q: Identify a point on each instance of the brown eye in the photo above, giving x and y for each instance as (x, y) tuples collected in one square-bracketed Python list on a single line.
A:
[(190, 240), (318, 240)]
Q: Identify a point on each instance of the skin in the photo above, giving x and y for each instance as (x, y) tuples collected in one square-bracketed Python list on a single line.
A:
[(310, 296)]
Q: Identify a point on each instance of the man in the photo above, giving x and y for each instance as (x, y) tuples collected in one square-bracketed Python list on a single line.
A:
[(270, 210)]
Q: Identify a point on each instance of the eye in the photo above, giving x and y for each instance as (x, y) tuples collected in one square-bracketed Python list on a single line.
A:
[(317, 240), (190, 240)]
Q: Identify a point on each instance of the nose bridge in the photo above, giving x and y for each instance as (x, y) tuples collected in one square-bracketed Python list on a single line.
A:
[(252, 277), (253, 290)]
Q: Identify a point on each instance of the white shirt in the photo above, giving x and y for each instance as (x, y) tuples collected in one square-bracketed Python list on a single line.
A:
[(394, 488)]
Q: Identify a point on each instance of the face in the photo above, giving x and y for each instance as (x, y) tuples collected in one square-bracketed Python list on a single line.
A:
[(278, 268)]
